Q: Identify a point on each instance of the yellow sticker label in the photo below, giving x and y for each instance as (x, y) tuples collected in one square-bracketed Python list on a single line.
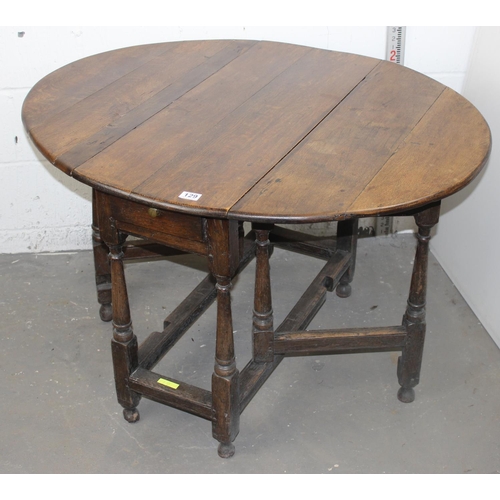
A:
[(168, 383)]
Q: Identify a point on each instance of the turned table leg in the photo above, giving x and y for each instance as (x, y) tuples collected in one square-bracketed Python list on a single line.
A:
[(347, 239), (223, 260), (263, 334), (124, 344), (410, 361), (101, 266)]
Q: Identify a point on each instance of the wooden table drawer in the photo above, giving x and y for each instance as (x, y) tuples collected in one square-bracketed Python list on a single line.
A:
[(186, 232)]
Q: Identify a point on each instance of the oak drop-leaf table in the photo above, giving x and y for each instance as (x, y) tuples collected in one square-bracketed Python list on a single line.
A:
[(183, 142)]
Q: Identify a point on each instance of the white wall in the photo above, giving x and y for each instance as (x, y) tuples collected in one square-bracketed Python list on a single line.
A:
[(41, 209), (467, 241)]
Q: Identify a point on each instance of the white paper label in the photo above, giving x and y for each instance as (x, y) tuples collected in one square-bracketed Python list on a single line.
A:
[(186, 195)]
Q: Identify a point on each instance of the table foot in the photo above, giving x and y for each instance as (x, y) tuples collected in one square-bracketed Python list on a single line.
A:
[(106, 312), (226, 450), (406, 394), (131, 415), (343, 290)]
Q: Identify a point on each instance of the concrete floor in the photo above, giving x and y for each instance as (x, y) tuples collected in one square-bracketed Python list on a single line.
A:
[(319, 414)]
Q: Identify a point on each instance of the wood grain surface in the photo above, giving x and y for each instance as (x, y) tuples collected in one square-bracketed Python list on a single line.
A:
[(263, 131)]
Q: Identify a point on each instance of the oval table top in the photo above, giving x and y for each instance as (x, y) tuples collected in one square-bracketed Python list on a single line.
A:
[(263, 131)]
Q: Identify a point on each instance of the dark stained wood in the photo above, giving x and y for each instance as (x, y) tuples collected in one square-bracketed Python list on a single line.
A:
[(300, 242), (256, 135), (344, 152), (441, 155), (263, 334), (183, 244), (78, 80), (186, 397), (223, 248), (132, 99), (179, 225), (177, 323), (337, 341), (223, 260), (124, 342), (114, 213), (414, 319), (180, 320), (314, 297), (186, 124), (144, 249), (347, 240), (131, 117), (253, 376), (102, 266), (266, 133)]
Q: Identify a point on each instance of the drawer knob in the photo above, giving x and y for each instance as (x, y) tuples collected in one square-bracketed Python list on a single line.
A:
[(153, 212)]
